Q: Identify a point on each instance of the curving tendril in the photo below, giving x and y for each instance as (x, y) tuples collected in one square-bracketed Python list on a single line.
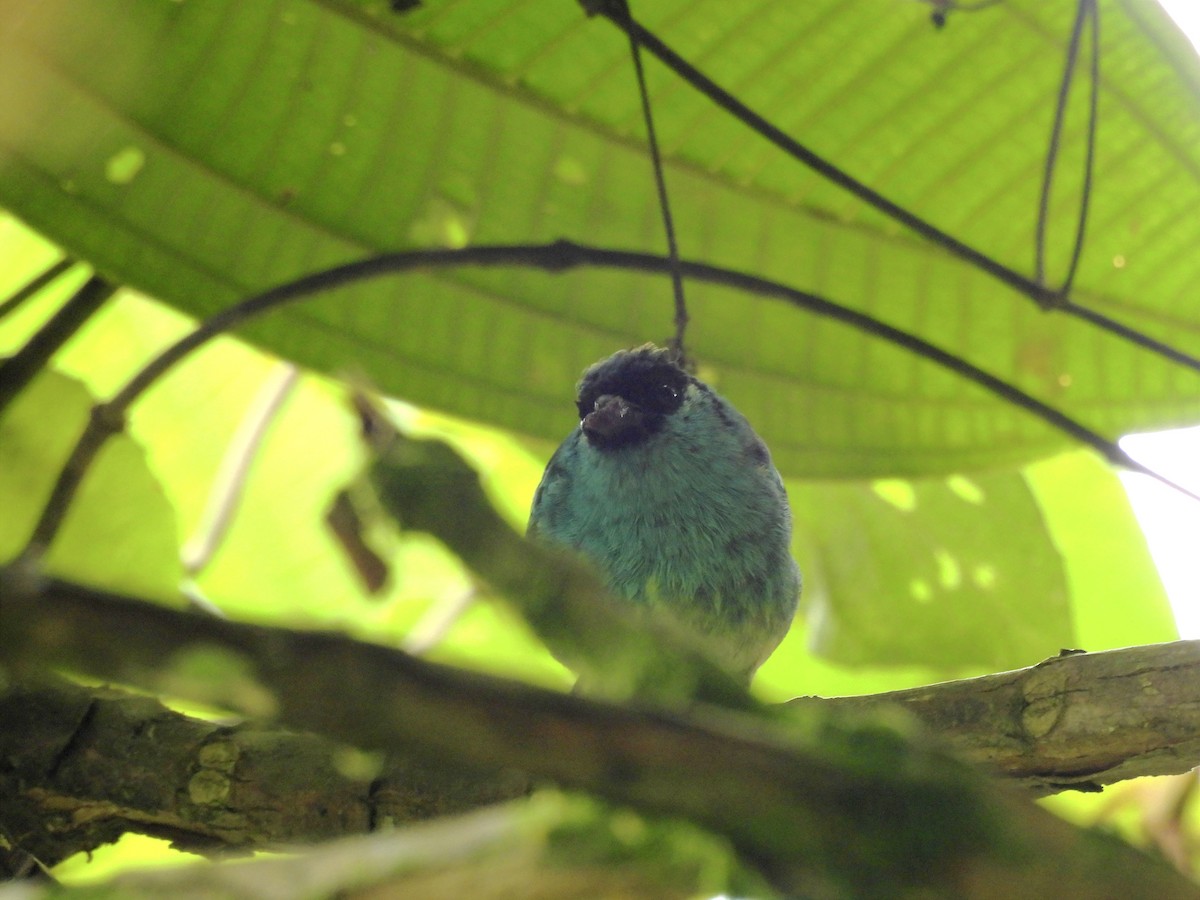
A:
[(1085, 12), (108, 418), (660, 183)]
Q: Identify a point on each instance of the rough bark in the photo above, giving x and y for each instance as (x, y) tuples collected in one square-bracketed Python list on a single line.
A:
[(1078, 721), (82, 766)]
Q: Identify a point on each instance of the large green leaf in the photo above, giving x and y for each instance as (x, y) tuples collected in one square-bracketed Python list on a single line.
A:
[(201, 151)]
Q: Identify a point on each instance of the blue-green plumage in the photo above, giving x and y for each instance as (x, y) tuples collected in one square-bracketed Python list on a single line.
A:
[(666, 488)]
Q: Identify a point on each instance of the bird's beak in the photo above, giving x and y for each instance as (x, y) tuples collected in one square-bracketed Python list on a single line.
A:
[(610, 418)]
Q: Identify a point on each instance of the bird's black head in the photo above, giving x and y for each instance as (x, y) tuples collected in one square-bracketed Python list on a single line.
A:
[(624, 399)]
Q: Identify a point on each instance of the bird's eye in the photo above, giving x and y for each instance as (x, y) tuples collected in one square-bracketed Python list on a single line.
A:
[(660, 396)]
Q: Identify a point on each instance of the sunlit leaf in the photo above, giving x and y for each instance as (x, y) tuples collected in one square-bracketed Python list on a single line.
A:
[(948, 573), (1117, 597), (120, 533)]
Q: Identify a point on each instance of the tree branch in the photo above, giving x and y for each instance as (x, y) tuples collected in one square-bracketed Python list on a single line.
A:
[(1078, 721), (18, 370), (788, 793), (83, 766)]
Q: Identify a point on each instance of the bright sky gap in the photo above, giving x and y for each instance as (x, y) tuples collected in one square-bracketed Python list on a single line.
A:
[(1172, 522)]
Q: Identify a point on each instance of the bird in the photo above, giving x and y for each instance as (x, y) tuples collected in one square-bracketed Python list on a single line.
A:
[(671, 495)]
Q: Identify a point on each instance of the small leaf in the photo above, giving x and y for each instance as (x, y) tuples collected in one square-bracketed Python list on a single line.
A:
[(120, 532)]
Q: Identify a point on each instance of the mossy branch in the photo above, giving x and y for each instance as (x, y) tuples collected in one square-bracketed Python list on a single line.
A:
[(813, 799)]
